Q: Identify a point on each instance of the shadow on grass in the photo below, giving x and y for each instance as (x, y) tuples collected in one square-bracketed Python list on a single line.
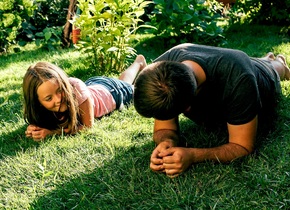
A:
[(116, 185), (255, 40), (13, 142), (126, 182), (278, 131), (27, 55), (237, 37), (12, 137), (73, 65)]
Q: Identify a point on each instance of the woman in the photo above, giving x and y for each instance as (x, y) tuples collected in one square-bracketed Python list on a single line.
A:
[(55, 103)]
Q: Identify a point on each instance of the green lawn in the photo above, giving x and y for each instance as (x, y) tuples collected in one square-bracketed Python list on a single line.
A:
[(107, 167)]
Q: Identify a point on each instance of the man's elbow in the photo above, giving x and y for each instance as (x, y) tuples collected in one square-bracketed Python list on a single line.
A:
[(244, 150)]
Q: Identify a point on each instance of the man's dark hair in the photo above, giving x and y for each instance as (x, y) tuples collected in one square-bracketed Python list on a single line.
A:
[(164, 89)]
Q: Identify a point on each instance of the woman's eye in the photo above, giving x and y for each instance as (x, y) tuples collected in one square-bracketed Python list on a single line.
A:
[(48, 99), (59, 91)]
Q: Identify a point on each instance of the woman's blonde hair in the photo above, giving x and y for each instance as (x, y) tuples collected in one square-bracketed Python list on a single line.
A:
[(34, 112)]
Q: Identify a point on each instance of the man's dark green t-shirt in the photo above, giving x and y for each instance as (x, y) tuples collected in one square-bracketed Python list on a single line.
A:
[(237, 87)]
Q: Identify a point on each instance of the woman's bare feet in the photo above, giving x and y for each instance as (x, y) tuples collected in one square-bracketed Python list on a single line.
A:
[(142, 61), (130, 74)]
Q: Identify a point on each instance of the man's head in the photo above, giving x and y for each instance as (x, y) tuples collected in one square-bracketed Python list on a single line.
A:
[(164, 89)]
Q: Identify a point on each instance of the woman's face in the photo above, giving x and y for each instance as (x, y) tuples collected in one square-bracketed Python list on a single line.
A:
[(50, 96)]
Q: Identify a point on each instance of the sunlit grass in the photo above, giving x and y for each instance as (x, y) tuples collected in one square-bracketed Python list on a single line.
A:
[(107, 167)]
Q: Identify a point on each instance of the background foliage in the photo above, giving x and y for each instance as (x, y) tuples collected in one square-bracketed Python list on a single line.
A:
[(24, 21), (46, 24), (187, 21), (12, 13), (112, 37), (266, 12)]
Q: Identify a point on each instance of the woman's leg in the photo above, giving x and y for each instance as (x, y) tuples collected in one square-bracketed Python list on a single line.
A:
[(131, 73)]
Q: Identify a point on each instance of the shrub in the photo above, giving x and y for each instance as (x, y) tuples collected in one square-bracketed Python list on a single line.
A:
[(12, 13), (187, 21), (49, 13), (261, 12), (49, 38), (44, 27), (108, 30)]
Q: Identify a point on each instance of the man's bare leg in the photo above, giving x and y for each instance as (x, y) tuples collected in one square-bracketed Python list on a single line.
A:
[(282, 59), (131, 73), (269, 57), (280, 65)]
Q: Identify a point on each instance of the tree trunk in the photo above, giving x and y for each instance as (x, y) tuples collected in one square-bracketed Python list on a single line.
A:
[(68, 26)]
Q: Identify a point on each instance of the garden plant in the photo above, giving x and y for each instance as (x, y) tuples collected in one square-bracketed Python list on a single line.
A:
[(107, 29)]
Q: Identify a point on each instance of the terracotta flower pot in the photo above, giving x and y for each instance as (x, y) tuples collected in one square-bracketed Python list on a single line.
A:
[(227, 1), (76, 32)]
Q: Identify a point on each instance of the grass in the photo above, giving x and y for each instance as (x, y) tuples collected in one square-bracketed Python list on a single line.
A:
[(107, 167)]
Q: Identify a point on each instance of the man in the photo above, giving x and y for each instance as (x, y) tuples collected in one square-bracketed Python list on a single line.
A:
[(208, 85)]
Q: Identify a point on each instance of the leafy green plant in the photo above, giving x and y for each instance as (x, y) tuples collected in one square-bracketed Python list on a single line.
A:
[(12, 13), (43, 26), (187, 21), (49, 13), (108, 30), (49, 38)]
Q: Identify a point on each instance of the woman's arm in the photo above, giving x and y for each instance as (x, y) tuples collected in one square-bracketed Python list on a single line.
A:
[(38, 133), (87, 113), (87, 120)]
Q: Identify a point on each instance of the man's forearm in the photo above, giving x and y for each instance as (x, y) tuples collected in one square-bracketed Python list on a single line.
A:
[(223, 154), (166, 135)]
